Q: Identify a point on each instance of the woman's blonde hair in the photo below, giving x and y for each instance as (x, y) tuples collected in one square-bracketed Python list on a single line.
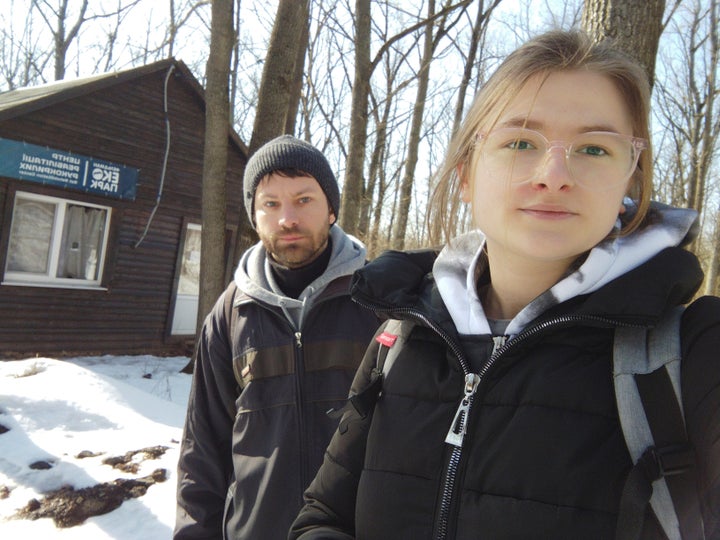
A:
[(550, 52)]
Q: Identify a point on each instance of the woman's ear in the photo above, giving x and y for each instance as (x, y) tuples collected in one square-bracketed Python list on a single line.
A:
[(465, 194)]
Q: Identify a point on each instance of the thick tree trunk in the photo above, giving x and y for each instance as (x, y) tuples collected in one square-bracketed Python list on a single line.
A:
[(635, 25), (279, 91), (354, 180), (214, 218), (298, 77)]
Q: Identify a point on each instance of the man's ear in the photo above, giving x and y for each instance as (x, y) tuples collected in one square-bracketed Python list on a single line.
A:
[(331, 217)]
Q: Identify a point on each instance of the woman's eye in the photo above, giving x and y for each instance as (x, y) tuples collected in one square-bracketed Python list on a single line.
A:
[(520, 145), (593, 151)]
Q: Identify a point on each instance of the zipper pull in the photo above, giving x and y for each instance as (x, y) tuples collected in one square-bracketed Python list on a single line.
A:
[(498, 343), (458, 427), (298, 340)]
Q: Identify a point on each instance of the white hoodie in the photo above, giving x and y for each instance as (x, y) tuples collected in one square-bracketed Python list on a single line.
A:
[(456, 268)]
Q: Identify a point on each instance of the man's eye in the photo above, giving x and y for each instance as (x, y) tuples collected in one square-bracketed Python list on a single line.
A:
[(304, 200), (270, 204)]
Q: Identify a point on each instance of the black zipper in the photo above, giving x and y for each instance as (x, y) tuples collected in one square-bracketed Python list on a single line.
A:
[(299, 376), (299, 388), (456, 433)]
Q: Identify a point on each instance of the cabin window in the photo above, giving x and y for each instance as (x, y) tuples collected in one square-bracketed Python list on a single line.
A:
[(56, 242)]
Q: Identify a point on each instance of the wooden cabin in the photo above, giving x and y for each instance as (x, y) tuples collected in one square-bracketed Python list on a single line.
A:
[(100, 213)]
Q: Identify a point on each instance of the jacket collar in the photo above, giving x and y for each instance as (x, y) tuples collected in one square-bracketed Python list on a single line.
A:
[(633, 279)]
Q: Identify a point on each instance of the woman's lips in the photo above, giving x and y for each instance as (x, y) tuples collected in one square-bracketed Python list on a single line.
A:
[(548, 211)]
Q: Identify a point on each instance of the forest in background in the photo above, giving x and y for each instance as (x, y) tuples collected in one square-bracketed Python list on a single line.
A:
[(423, 62)]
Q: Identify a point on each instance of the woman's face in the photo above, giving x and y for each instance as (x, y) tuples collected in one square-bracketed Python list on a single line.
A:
[(549, 217)]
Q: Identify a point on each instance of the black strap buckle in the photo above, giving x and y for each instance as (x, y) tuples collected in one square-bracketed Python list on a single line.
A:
[(667, 460)]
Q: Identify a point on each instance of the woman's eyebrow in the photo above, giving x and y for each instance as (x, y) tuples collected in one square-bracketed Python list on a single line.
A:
[(529, 123)]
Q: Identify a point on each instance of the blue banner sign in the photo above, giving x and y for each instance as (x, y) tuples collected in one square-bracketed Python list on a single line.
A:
[(41, 164)]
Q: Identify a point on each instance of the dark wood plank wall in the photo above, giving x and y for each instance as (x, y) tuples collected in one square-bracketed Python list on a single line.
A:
[(123, 124)]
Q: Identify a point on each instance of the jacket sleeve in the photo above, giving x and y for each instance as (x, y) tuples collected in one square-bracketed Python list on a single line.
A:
[(700, 332), (205, 461), (329, 511)]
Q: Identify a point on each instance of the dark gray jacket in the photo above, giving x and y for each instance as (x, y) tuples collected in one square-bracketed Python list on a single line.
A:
[(256, 426)]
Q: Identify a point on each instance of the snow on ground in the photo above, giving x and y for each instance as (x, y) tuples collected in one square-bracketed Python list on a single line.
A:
[(107, 406)]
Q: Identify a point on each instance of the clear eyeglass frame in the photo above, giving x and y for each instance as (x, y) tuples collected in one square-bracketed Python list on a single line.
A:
[(598, 160)]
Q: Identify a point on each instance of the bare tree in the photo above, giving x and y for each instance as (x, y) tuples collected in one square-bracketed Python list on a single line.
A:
[(178, 18), (354, 173), (212, 255), (352, 187), (56, 20), (688, 110), (22, 58), (65, 25), (477, 35), (431, 42)]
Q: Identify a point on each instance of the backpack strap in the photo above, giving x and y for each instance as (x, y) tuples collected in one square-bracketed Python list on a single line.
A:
[(646, 373), (231, 317), (390, 339)]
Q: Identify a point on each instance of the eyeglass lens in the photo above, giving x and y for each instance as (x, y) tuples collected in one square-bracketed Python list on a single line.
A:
[(596, 160)]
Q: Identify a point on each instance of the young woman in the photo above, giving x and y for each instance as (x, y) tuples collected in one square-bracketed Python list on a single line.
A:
[(498, 417)]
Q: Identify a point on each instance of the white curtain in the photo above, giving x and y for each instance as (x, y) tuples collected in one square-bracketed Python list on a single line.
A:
[(82, 236)]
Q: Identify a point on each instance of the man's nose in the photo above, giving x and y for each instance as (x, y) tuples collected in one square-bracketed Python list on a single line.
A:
[(288, 216)]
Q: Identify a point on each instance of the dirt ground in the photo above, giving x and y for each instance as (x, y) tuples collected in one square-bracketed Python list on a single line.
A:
[(68, 506)]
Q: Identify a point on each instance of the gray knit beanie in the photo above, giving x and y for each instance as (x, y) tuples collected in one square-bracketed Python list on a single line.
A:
[(287, 152)]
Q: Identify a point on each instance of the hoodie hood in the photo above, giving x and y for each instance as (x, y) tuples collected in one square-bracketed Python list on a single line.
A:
[(462, 260), (254, 277)]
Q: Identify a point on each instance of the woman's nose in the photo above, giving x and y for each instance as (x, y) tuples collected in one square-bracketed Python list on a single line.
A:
[(553, 173)]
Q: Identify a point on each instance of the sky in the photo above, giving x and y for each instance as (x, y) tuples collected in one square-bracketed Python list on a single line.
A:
[(107, 406)]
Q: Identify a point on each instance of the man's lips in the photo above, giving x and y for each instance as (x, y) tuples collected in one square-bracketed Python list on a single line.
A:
[(290, 237)]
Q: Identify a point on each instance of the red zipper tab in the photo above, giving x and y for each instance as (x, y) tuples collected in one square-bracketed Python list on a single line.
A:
[(387, 339)]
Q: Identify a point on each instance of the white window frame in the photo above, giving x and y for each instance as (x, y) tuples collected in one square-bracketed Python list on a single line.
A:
[(185, 312), (49, 278)]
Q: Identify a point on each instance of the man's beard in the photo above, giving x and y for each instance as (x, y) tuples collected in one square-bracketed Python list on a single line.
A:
[(297, 253)]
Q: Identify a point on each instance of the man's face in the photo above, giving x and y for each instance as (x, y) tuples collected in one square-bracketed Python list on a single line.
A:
[(292, 218)]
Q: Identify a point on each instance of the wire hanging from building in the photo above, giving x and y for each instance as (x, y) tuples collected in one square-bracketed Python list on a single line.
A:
[(165, 160)]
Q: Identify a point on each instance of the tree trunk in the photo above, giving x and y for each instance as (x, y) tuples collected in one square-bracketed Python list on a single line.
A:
[(298, 77), (214, 218), (376, 178), (353, 185), (62, 38), (279, 91), (635, 25), (478, 32), (398, 236)]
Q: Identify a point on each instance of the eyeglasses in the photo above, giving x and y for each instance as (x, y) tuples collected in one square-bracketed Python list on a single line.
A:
[(597, 160)]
